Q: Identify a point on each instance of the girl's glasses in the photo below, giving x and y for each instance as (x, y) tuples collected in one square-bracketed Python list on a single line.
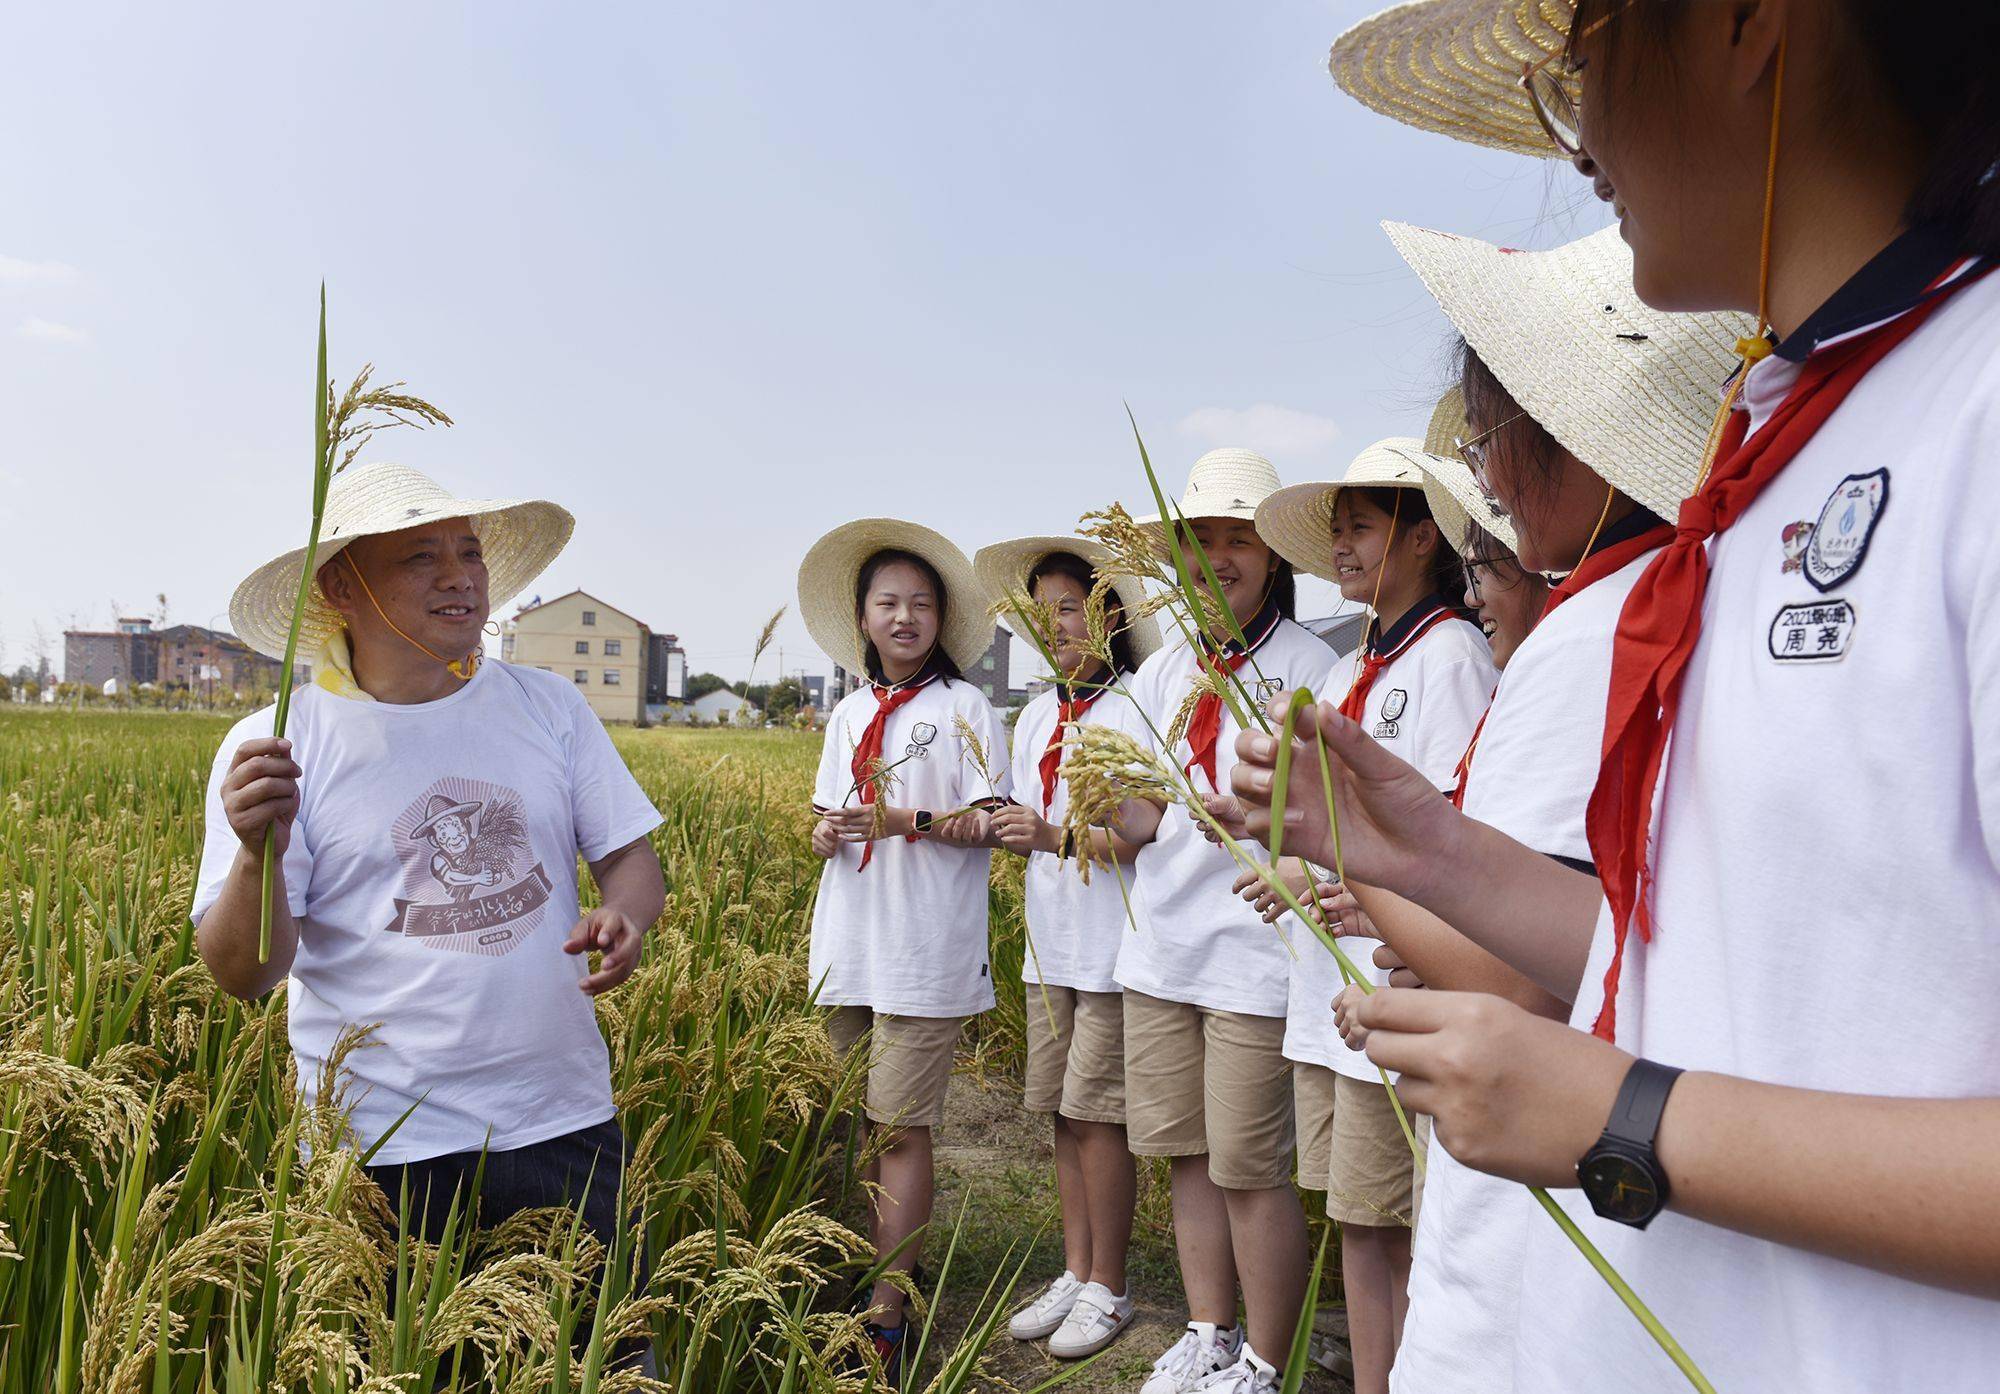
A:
[(1551, 91), (1473, 568), (1473, 452)]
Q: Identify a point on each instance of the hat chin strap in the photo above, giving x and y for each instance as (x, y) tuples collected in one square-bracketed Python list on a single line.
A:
[(460, 668)]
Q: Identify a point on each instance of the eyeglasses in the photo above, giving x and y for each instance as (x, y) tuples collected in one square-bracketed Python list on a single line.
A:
[(1473, 568), (1550, 90), (1473, 452)]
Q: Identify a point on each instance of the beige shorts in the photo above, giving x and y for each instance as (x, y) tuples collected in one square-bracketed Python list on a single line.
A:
[(1076, 1069), (1312, 1095), (1370, 1177), (1208, 1083), (909, 1062)]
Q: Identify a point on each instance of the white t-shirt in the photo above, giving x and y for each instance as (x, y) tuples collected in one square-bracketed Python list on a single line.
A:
[(1827, 898), (1421, 708), (1531, 778), (1074, 928), (906, 935), (433, 873), (1195, 940)]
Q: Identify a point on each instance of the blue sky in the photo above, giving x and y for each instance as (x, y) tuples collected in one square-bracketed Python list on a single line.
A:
[(715, 276)]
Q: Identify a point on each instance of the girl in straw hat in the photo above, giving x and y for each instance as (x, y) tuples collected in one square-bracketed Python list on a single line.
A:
[(1206, 1081), (1419, 681), (1076, 1017), (1828, 166), (910, 766), (430, 807)]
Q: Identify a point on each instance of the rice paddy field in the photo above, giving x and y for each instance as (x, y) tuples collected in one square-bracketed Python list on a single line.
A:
[(172, 1220)]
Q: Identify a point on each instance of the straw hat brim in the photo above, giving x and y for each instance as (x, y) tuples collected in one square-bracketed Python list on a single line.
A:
[(1627, 389), (1454, 67), (457, 810), (833, 564), (1003, 569), (1296, 522), (519, 538)]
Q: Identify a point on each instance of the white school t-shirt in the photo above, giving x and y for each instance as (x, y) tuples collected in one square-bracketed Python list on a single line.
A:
[(1531, 778), (1074, 928), (1194, 940), (906, 935), (1827, 890), (1422, 708), (433, 874)]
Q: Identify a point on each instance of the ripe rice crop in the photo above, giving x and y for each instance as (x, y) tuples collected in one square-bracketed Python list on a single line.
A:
[(162, 1230)]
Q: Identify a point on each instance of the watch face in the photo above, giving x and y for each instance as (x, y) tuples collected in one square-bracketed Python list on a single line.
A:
[(1619, 1188)]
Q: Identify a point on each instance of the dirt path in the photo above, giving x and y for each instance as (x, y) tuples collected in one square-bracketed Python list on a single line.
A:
[(995, 1166)]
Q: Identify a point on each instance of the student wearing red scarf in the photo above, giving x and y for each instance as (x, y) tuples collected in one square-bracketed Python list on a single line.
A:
[(1806, 678), (1076, 1014), (899, 946)]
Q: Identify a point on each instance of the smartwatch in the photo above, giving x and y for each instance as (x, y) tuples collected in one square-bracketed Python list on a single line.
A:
[(1621, 1175), (922, 822)]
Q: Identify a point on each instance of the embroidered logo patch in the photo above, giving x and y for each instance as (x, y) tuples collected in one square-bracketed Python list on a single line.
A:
[(921, 735), (1393, 704), (1819, 632), (1267, 688), (1793, 540), (1839, 542)]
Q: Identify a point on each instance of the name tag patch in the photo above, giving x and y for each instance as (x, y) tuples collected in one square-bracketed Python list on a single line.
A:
[(1819, 632)]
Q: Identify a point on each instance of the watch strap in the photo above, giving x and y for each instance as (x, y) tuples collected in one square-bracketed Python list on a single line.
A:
[(1642, 1099)]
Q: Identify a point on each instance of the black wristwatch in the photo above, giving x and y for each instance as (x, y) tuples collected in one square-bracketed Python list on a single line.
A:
[(922, 822), (1621, 1176)]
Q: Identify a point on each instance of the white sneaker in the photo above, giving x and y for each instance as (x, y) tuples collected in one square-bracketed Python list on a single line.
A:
[(1251, 1374), (1202, 1350), (1045, 1314), (1093, 1323)]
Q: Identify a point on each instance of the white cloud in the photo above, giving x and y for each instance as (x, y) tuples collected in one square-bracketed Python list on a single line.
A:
[(16, 272), (49, 332), (1266, 428)]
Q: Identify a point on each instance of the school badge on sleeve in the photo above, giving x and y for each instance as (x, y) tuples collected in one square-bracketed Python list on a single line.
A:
[(1840, 537)]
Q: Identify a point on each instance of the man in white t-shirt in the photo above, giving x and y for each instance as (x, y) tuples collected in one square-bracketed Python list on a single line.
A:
[(428, 807)]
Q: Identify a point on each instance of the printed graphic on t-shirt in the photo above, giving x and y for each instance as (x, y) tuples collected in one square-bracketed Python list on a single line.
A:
[(470, 878)]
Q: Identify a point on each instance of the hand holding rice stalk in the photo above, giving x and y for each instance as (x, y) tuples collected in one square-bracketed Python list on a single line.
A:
[(340, 428)]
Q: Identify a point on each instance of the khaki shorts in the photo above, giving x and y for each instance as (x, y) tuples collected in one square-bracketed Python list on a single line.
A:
[(1312, 1094), (909, 1062), (1078, 1068), (1208, 1083), (1369, 1172)]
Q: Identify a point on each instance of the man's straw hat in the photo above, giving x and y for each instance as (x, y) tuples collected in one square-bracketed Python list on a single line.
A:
[(1454, 67), (1226, 483), (828, 574), (1297, 522), (1004, 567), (440, 807), (1456, 499), (519, 537), (1627, 389)]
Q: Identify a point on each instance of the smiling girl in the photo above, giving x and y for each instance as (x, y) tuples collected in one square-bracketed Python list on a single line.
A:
[(899, 947)]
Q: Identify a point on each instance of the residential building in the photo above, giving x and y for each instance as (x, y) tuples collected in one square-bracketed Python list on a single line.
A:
[(666, 669), (129, 654), (814, 687), (989, 671), (844, 682), (606, 652), (718, 708), (208, 661)]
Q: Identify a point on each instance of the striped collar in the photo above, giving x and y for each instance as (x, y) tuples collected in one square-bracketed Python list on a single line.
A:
[(1415, 622)]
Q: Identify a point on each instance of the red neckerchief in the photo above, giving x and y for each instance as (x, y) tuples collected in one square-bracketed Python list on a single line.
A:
[(1069, 711), (1464, 770), (1374, 660), (868, 749), (1599, 564), (1661, 621), (1205, 722)]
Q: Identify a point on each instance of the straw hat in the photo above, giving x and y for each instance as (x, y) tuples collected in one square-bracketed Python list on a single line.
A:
[(1004, 567), (1454, 67), (1226, 483), (1627, 389), (1456, 499), (1297, 522), (440, 807), (833, 565), (520, 537)]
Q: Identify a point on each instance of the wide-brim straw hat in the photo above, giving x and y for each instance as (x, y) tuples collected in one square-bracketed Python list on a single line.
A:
[(1004, 567), (1225, 483), (1296, 522), (1454, 67), (519, 538), (833, 565), (1629, 390), (1455, 498)]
